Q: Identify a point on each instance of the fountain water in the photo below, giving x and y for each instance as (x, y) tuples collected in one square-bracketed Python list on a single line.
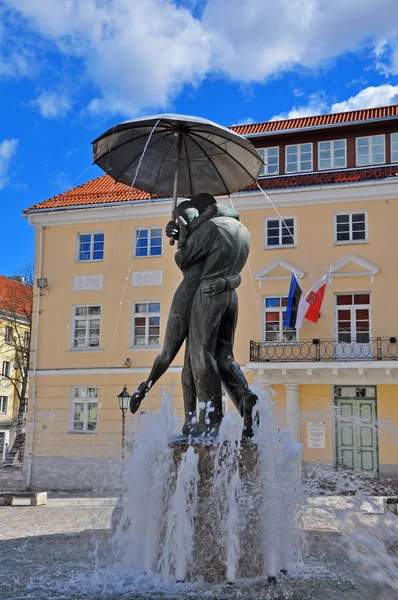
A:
[(210, 511)]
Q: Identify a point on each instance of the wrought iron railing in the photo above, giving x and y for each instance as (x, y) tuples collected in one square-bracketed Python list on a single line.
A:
[(380, 348)]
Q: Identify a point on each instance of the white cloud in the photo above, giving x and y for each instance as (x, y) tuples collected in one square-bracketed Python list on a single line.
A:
[(139, 54), (316, 105), (369, 97), (244, 121), (52, 104), (8, 149)]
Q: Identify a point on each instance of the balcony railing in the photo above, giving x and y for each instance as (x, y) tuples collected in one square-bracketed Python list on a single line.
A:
[(316, 350)]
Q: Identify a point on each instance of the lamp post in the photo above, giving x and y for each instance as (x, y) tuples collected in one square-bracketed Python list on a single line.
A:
[(124, 400)]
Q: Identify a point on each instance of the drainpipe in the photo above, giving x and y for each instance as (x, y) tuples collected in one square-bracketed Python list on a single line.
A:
[(35, 345)]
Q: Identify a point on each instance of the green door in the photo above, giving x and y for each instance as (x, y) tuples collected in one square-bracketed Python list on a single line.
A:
[(356, 429)]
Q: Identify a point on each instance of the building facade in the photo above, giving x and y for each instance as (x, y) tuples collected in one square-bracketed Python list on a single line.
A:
[(327, 198), (15, 316)]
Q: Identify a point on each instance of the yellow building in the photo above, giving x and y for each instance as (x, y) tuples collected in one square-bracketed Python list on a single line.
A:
[(100, 319), (15, 317)]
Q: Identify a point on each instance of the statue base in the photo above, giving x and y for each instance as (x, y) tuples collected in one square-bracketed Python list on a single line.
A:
[(226, 546)]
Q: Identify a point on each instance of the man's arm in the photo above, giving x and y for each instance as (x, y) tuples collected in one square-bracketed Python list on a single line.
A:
[(221, 284), (197, 246)]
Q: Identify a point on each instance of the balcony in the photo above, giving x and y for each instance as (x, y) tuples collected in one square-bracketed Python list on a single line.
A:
[(324, 350)]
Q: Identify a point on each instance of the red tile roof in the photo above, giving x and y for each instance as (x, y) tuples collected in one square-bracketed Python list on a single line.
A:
[(15, 297), (104, 190), (101, 190), (322, 178), (318, 121)]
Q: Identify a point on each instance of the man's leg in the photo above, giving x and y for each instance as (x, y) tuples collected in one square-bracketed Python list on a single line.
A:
[(176, 331), (188, 392), (231, 374), (206, 315)]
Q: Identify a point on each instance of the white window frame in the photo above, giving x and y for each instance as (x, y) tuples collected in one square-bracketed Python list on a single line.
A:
[(145, 346), (332, 166), (391, 143), (280, 245), (3, 369), (263, 152), (299, 157), (90, 260), (8, 339), (350, 241), (352, 308), (370, 137), (2, 411), (151, 228), (85, 401), (26, 339), (280, 309), (74, 316)]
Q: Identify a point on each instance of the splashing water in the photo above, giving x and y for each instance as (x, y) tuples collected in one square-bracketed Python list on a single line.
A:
[(194, 511)]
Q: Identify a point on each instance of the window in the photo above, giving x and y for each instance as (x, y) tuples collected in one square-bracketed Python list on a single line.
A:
[(90, 246), (146, 327), (275, 330), (370, 150), (148, 242), (3, 405), (86, 326), (280, 232), (394, 147), (332, 155), (26, 339), (298, 158), (84, 408), (353, 318), (351, 227), (8, 334), (271, 158), (6, 370)]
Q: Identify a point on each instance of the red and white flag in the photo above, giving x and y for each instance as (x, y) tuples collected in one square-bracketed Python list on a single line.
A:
[(310, 304)]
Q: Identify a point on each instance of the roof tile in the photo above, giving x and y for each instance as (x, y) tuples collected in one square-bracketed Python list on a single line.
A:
[(318, 120), (15, 297), (104, 190)]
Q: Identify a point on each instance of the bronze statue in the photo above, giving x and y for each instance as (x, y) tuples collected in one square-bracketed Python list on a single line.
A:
[(213, 247)]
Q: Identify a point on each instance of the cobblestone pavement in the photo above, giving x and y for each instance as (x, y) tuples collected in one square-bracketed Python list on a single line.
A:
[(63, 553), (25, 522)]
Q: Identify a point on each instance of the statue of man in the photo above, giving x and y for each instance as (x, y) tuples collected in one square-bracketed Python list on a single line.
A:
[(222, 244), (213, 249)]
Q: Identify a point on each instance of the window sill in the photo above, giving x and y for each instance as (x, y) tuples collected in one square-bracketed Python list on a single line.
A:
[(282, 343), (92, 260), (85, 350), (280, 247), (148, 256), (351, 243), (82, 432), (138, 348)]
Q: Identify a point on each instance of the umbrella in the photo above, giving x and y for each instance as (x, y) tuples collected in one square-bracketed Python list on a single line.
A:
[(179, 155)]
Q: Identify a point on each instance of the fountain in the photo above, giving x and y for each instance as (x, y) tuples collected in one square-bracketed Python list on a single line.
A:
[(213, 511)]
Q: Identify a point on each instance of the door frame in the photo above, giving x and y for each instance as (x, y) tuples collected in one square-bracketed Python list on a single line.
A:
[(336, 425)]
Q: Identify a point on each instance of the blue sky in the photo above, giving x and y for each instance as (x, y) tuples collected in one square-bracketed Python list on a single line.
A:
[(69, 69)]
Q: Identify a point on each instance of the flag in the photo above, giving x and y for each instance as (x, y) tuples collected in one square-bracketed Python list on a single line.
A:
[(310, 304), (293, 301)]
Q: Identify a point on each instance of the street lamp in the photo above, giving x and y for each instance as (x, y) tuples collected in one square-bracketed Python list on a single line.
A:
[(124, 401)]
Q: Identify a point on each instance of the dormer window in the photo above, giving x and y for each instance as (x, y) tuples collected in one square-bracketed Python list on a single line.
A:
[(394, 147), (370, 150), (298, 158), (332, 154), (271, 158)]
